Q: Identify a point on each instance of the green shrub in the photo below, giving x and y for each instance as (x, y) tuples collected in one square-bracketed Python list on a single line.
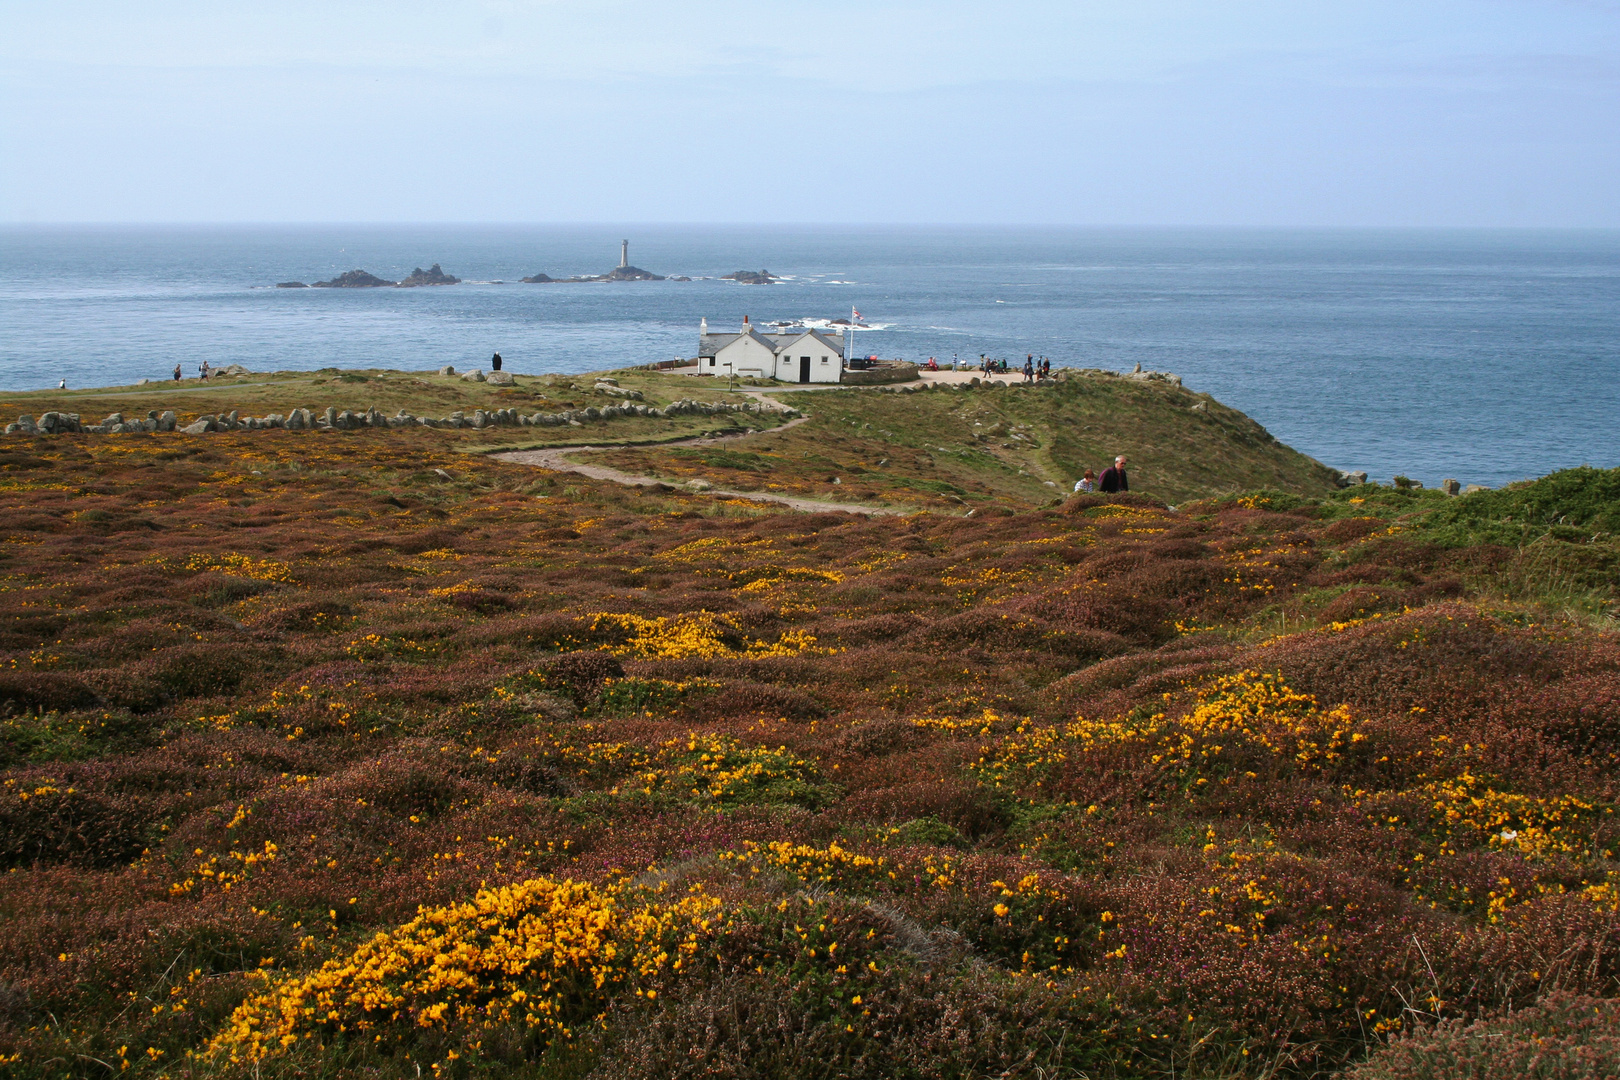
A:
[(1564, 1037), (1572, 504)]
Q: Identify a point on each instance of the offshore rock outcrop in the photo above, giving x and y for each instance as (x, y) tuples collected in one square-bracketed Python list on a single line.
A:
[(433, 276), (750, 277), (354, 279), (618, 273), (629, 273)]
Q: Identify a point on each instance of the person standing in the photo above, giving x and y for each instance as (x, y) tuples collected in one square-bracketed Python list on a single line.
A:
[(203, 367), (1113, 479), (495, 362), (1086, 484), (1029, 369), (177, 373)]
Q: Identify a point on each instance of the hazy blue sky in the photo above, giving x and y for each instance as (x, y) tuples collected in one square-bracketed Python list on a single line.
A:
[(1361, 112)]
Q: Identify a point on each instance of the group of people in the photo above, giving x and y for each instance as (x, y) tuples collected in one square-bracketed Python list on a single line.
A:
[(1112, 481), (1033, 369)]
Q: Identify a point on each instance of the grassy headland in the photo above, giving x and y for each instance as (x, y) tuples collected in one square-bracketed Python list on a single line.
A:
[(940, 448), (1012, 445), (358, 754)]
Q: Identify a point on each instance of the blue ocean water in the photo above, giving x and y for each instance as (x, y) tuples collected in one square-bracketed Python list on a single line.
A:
[(1487, 356)]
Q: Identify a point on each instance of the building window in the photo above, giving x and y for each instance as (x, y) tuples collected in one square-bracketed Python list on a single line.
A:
[(823, 359)]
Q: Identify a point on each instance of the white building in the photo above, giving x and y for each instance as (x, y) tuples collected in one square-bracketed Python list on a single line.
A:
[(801, 356)]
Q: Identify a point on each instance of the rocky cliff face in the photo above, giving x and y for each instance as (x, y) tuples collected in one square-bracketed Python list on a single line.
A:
[(354, 279), (434, 276)]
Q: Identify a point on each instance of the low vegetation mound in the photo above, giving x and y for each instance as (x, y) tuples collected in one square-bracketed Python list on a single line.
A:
[(364, 757)]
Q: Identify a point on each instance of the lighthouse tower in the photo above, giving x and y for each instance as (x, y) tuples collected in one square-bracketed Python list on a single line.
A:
[(624, 253)]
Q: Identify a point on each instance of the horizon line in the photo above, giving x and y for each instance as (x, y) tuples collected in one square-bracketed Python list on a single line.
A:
[(651, 223)]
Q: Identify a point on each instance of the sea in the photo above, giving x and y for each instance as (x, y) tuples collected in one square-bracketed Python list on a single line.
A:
[(1484, 356)]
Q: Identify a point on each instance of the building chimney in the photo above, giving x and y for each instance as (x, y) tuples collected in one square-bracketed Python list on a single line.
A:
[(703, 326), (624, 253)]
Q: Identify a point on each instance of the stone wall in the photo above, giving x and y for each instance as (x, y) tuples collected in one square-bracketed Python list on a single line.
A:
[(54, 423)]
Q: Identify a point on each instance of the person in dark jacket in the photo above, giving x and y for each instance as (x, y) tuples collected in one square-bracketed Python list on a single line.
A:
[(1113, 478), (495, 362)]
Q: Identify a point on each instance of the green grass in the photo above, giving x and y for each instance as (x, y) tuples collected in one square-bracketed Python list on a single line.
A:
[(417, 392), (1010, 446), (1552, 543)]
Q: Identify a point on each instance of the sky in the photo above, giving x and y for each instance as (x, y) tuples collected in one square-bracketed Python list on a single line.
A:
[(1085, 112)]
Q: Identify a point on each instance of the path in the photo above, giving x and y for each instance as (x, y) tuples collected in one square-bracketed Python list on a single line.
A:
[(556, 459)]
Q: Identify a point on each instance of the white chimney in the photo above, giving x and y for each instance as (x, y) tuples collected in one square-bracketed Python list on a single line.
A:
[(703, 327)]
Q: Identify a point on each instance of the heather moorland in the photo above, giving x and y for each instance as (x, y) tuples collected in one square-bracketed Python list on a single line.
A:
[(359, 754)]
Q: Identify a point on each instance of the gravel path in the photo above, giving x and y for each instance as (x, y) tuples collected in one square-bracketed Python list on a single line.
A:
[(557, 460)]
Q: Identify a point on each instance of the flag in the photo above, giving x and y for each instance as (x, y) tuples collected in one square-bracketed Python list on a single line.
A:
[(855, 313)]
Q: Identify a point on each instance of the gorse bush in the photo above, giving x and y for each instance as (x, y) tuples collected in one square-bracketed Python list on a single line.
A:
[(542, 955), (353, 771)]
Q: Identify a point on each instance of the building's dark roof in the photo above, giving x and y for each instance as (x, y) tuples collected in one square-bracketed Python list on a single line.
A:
[(709, 344)]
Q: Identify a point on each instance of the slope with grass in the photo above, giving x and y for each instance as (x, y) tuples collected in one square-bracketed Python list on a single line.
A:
[(1012, 446), (357, 755)]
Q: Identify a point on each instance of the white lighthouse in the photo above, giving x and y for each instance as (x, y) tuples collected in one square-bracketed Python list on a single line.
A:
[(624, 253)]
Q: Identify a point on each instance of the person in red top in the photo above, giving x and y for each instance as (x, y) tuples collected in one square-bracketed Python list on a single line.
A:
[(1113, 478)]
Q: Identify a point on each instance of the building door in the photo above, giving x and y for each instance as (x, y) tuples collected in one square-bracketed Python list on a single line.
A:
[(804, 369)]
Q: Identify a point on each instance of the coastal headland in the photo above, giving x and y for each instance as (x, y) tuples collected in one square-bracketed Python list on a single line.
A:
[(633, 725), (942, 444)]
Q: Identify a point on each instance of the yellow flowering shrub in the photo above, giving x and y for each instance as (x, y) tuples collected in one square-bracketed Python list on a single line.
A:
[(1469, 809), (242, 566), (545, 954), (701, 635), (719, 769), (837, 867), (1248, 708)]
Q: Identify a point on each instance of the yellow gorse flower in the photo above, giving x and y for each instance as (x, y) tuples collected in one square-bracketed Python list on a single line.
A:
[(542, 953), (1246, 708), (698, 635)]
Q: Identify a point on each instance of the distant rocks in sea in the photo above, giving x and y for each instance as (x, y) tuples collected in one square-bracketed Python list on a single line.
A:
[(750, 277), (361, 279), (354, 279), (629, 273), (618, 273), (433, 276)]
